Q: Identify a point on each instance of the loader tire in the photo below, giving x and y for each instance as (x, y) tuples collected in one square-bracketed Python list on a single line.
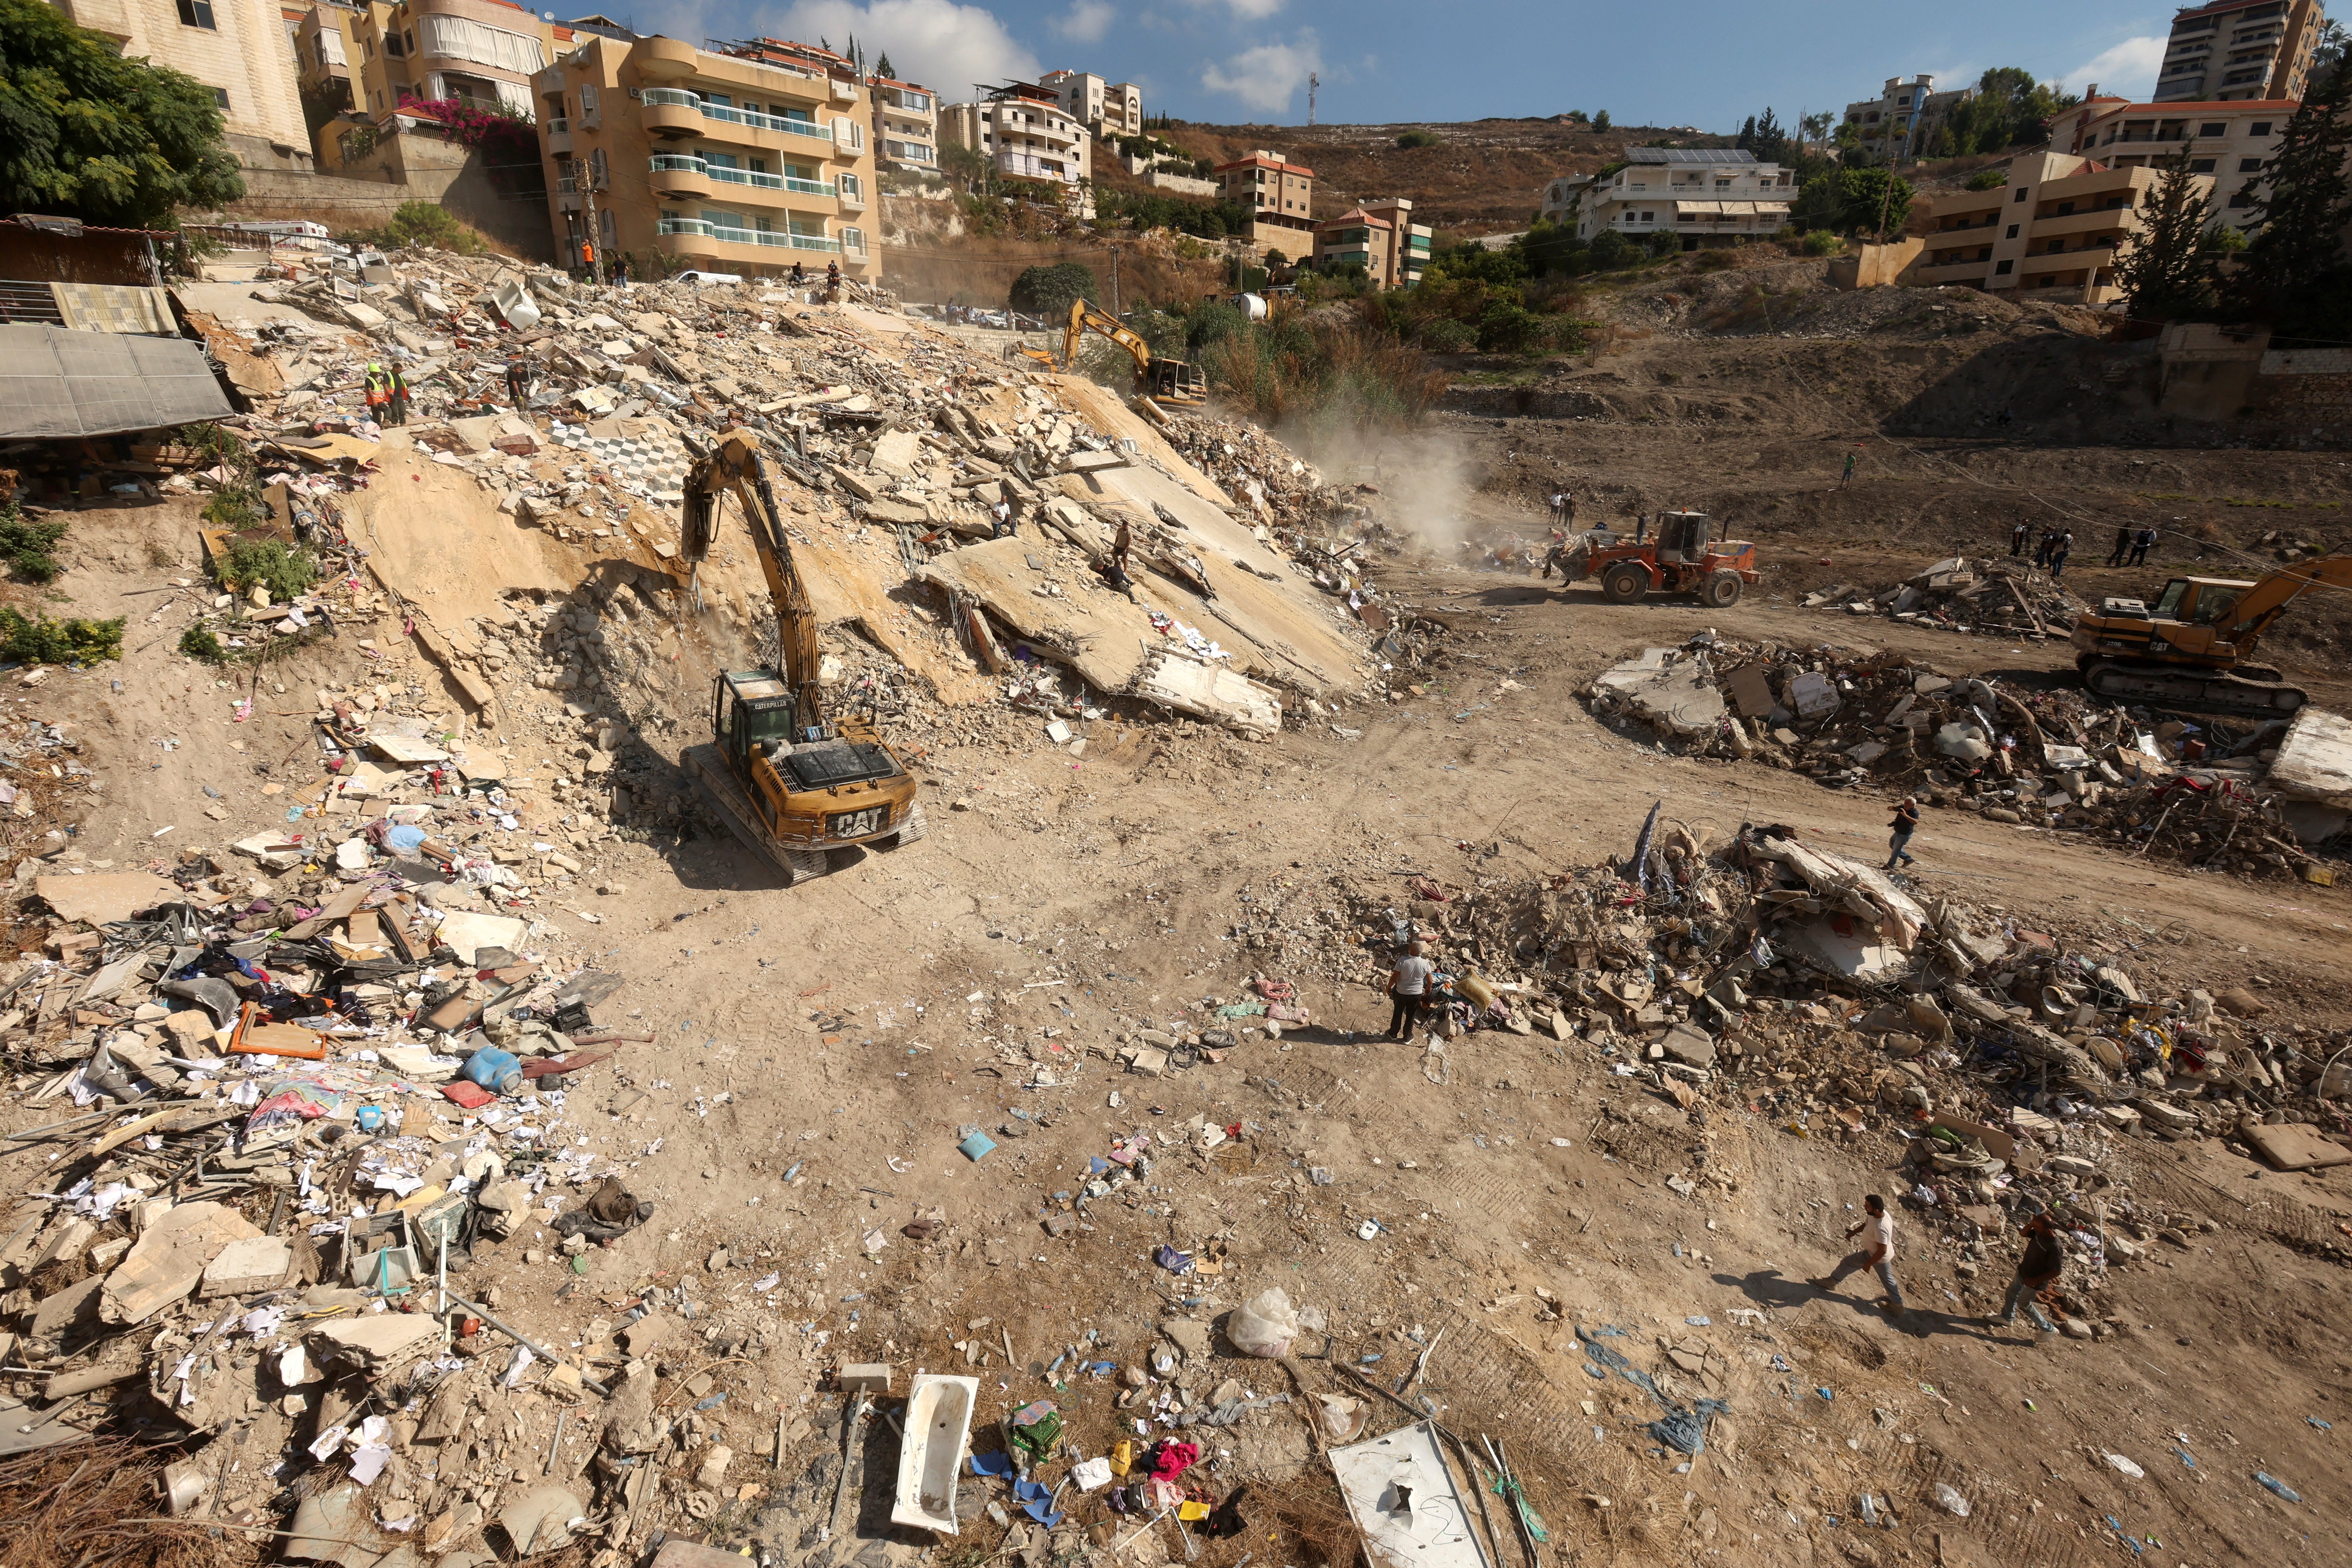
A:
[(1623, 583)]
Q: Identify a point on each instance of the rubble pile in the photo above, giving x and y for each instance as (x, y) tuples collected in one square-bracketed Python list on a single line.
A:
[(2007, 596), (1773, 977), (2197, 790)]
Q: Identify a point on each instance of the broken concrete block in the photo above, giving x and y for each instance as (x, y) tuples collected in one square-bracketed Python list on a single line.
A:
[(377, 1343), (1689, 1044), (865, 1377), (169, 1261), (897, 452), (712, 1474), (255, 1263)]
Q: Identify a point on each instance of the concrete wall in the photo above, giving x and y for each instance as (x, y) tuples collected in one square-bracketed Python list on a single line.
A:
[(1877, 266), (404, 169), (246, 54)]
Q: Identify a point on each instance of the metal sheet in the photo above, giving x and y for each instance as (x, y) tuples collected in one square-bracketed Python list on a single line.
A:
[(54, 383), (1403, 1497)]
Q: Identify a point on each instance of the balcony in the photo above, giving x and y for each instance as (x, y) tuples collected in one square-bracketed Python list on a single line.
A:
[(1023, 167), (567, 194), (852, 199), (666, 59), (678, 176), (559, 135), (2090, 220), (686, 231), (675, 111), (684, 174)]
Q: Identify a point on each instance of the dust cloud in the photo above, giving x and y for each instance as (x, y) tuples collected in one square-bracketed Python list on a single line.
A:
[(1430, 479)]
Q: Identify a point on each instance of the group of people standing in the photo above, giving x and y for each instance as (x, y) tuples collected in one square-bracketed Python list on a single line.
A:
[(2038, 1269), (387, 395), (2055, 544)]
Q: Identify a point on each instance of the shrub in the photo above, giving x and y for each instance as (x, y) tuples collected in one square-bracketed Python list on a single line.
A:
[(1610, 250), (200, 644), (25, 545), (1323, 373), (1048, 290), (1822, 242), (36, 639), (1717, 261), (1507, 328), (267, 564), (1988, 179), (1412, 139), (1447, 336), (423, 223)]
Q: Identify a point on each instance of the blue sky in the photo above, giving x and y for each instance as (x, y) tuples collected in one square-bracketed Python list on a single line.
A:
[(1707, 63)]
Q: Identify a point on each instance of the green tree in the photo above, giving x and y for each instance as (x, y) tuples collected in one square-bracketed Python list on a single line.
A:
[(2166, 270), (967, 166), (2294, 274), (1852, 201), (1601, 121), (1048, 290), (882, 66), (1412, 139), (86, 133), (1610, 250), (2009, 109), (1814, 127)]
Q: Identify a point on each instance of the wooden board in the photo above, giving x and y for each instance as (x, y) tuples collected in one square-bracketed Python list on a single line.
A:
[(2295, 1147)]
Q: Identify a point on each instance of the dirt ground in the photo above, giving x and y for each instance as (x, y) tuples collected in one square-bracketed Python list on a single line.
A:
[(821, 1051)]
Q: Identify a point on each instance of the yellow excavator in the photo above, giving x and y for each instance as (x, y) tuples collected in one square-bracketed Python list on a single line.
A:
[(794, 782), (1169, 382), (2191, 649)]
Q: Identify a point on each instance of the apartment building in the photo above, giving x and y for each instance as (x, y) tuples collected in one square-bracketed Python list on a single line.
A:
[(2230, 141), (1378, 236), (744, 158), (906, 126), (2235, 51), (1709, 196), (1024, 132), (1902, 119), (1279, 195), (377, 56), (1104, 108), (2053, 230), (241, 50)]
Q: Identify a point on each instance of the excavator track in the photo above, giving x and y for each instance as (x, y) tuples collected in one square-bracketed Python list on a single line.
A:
[(2169, 685), (718, 783)]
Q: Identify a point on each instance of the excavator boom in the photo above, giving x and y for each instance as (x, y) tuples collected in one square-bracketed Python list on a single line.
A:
[(792, 782), (1167, 380)]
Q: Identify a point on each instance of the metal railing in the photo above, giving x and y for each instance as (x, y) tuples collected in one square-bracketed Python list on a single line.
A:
[(679, 98), (785, 241), (687, 163)]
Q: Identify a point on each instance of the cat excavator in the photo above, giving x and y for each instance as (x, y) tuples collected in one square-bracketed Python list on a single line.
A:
[(2191, 650), (1170, 382), (794, 782)]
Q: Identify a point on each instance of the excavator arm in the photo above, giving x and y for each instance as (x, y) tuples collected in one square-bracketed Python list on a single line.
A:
[(1088, 317), (2267, 600), (733, 467)]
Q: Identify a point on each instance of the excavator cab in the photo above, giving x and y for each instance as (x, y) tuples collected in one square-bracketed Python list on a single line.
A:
[(1173, 381), (2199, 601)]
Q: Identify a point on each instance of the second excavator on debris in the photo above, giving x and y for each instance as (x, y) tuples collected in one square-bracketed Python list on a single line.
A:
[(794, 782), (2192, 648)]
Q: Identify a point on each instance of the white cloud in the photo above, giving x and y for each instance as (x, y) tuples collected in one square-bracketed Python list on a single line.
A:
[(1252, 10), (1266, 78), (2129, 69), (944, 46), (1088, 22)]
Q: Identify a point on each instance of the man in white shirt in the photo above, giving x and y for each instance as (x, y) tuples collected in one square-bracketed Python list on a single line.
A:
[(1409, 985), (1879, 1254)]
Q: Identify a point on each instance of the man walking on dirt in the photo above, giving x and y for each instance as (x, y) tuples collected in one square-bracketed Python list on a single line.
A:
[(2142, 543), (1842, 477), (2123, 546), (2017, 538), (1408, 987), (1905, 823), (2042, 1264), (1879, 1254), (2065, 547)]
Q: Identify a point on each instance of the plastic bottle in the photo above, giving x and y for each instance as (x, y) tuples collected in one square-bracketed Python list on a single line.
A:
[(499, 1071)]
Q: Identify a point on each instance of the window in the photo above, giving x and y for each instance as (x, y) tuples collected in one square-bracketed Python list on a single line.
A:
[(2066, 209), (2201, 166), (2259, 128), (2056, 246), (2013, 231), (2003, 269), (197, 14), (2242, 199), (2213, 128), (2020, 194), (220, 97), (2250, 165)]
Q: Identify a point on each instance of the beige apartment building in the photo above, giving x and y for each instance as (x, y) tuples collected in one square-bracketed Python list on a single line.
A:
[(380, 55), (2239, 49), (2053, 230), (1902, 119), (1104, 108), (239, 48), (1025, 134), (2229, 140), (1378, 236), (746, 159), (1280, 197), (1706, 196), (906, 126)]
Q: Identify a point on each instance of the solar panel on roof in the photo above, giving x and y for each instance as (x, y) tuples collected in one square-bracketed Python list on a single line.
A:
[(1688, 155)]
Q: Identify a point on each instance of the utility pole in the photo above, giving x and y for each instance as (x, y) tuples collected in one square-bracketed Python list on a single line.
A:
[(588, 201), (1114, 279), (1313, 81)]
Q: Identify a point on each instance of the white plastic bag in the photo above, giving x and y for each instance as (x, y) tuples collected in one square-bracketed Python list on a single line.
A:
[(1263, 1325)]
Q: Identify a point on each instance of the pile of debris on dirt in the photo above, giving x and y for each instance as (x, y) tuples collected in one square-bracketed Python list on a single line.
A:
[(2011, 597), (1772, 976), (2202, 791)]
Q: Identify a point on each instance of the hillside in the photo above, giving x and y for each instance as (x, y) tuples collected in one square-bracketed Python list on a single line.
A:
[(1484, 178)]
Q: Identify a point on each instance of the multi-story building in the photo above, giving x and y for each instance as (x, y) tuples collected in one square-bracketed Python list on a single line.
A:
[(1104, 108), (747, 158), (1378, 236), (2238, 49), (1280, 197), (378, 56), (1023, 133), (1708, 195), (2229, 141), (239, 48), (1901, 121), (2053, 229), (906, 126)]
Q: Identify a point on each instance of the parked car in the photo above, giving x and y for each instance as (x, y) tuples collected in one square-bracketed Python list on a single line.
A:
[(696, 276)]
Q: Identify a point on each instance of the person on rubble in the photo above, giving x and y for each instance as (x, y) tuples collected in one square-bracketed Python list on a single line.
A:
[(2123, 545), (1905, 823), (1409, 990), (378, 394), (1112, 570), (2017, 538), (800, 276), (1879, 1254), (1122, 543), (518, 381), (1005, 527), (832, 282), (395, 388), (2045, 1258), (2142, 543), (2058, 554)]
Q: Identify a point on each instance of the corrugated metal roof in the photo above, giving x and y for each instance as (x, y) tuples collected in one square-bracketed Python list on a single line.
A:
[(56, 382)]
